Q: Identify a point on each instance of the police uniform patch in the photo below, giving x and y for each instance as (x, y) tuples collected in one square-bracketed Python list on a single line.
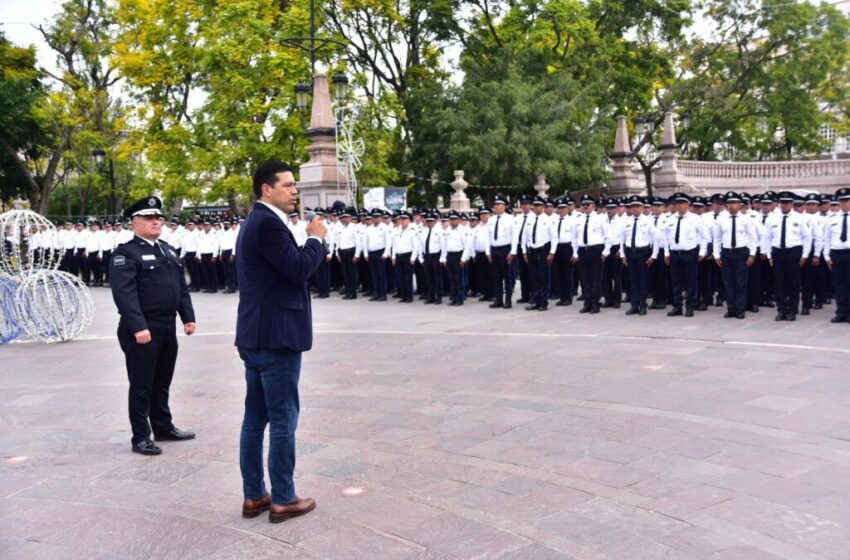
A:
[(118, 260)]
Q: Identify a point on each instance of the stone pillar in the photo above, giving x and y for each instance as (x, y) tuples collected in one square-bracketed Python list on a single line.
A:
[(459, 200), (666, 178), (321, 182), (623, 181), (542, 187)]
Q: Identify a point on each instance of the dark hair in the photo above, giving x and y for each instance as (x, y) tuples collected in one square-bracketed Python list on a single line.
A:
[(266, 175)]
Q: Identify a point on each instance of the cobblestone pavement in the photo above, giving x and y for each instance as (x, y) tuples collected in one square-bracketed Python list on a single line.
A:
[(435, 433)]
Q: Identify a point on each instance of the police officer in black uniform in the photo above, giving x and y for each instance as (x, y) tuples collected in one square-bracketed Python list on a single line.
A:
[(149, 289)]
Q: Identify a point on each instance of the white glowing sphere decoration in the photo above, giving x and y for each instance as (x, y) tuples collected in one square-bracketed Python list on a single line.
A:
[(28, 243), (53, 306)]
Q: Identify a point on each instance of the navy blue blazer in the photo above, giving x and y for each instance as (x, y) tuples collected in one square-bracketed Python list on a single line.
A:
[(272, 270)]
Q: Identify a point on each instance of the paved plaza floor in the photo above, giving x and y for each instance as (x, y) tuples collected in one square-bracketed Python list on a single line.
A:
[(435, 433)]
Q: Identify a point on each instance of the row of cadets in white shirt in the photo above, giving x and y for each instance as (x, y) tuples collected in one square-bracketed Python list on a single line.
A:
[(405, 240), (456, 240), (539, 230)]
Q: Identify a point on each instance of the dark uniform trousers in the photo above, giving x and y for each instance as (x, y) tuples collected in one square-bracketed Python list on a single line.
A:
[(433, 278), (823, 282), (150, 368), (612, 277), (336, 279), (786, 279), (83, 265), (808, 282), (841, 281), (590, 270), (502, 282), (364, 274), (563, 271), (453, 269), (68, 264), (349, 271), (322, 277), (419, 274), (755, 292), (524, 276), (378, 271), (105, 259), (190, 264), (390, 275), (735, 277), (766, 278), (660, 277), (538, 273), (404, 270), (208, 272), (707, 275), (684, 271), (229, 269), (483, 275), (638, 275), (95, 269)]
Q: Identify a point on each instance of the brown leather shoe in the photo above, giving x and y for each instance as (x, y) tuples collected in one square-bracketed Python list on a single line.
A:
[(298, 506), (253, 508)]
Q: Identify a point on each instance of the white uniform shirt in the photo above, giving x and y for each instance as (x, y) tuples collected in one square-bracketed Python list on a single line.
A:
[(455, 241), (208, 243), (481, 239), (539, 230), (746, 235), (798, 233), (404, 242), (502, 228), (564, 228), (832, 231), (378, 238), (692, 233), (596, 227), (432, 242), (640, 232), (94, 242)]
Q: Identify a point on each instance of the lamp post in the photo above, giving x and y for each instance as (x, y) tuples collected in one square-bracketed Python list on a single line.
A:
[(645, 128), (99, 157)]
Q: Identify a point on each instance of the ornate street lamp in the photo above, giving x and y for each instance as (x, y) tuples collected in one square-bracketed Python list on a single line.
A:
[(99, 157), (340, 82), (302, 90)]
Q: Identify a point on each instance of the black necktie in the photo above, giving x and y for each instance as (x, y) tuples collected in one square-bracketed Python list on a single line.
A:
[(586, 223), (560, 222), (634, 233), (522, 227), (428, 242), (678, 229), (844, 229), (734, 237), (534, 230), (496, 236), (656, 221), (784, 226), (763, 219)]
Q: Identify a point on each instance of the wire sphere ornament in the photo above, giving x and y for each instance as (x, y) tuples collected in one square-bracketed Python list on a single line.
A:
[(349, 147), (53, 306), (28, 243), (10, 325)]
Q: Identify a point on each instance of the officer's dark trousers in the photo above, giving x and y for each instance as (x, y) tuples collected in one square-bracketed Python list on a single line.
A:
[(502, 285), (83, 265), (786, 279), (658, 277), (706, 279), (404, 270), (378, 270), (454, 273), (538, 272), (69, 264), (104, 262), (590, 271), (684, 270), (323, 278), (807, 282), (822, 281), (208, 272), (735, 278), (563, 271), (95, 270), (349, 271), (390, 275), (150, 368), (364, 274), (841, 281), (229, 269), (754, 287), (638, 275), (433, 278), (419, 274), (524, 278), (612, 277), (336, 279), (484, 275), (194, 269), (766, 276)]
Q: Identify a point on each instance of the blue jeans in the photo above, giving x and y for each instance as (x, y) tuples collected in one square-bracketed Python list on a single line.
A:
[(271, 378)]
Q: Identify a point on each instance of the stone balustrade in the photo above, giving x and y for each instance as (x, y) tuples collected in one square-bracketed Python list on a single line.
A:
[(763, 169)]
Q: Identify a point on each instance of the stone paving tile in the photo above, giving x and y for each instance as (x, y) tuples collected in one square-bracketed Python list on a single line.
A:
[(607, 446)]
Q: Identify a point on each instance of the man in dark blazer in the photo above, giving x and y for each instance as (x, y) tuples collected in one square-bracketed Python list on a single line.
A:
[(273, 327)]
